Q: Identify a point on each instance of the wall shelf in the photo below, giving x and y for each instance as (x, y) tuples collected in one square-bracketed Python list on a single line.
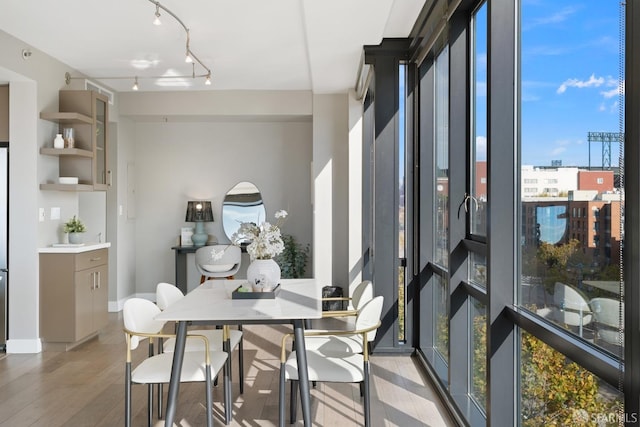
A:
[(66, 118), (66, 187), (77, 152)]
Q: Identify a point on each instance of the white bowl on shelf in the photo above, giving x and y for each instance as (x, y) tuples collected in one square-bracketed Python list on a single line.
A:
[(68, 180)]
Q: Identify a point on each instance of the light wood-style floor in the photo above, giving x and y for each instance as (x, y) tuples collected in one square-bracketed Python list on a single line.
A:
[(85, 387)]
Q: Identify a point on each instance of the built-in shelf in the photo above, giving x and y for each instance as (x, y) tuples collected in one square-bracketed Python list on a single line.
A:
[(59, 117), (77, 152), (67, 187)]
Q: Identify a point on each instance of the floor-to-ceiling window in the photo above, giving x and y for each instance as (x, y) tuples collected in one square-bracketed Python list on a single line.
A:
[(520, 187)]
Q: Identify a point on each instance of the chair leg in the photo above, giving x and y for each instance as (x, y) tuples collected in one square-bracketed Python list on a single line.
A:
[(127, 395), (367, 397), (293, 402), (209, 396), (160, 401), (281, 397), (241, 361), (150, 404), (228, 410)]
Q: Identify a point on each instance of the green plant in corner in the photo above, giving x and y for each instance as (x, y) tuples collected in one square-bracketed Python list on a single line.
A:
[(293, 259), (74, 225)]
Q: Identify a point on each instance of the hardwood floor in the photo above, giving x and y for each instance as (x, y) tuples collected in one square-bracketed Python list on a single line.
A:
[(85, 387)]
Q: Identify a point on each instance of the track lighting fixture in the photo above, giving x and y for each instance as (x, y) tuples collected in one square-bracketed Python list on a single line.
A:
[(189, 58), (157, 20)]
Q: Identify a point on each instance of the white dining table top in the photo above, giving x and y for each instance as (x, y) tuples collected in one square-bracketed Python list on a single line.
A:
[(297, 299)]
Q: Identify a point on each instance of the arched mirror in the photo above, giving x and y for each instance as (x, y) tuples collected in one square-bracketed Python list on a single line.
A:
[(243, 203)]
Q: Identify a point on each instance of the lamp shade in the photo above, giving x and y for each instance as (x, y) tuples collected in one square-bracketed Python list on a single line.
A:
[(199, 211)]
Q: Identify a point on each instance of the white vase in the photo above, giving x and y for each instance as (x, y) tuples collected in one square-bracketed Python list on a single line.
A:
[(58, 141), (265, 270)]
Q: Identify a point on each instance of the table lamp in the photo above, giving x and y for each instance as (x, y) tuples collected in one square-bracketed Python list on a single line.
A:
[(199, 212)]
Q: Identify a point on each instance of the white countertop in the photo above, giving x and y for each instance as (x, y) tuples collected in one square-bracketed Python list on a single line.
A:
[(73, 249)]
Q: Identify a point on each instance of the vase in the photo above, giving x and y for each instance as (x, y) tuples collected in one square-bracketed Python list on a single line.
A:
[(58, 141), (75, 238), (267, 271)]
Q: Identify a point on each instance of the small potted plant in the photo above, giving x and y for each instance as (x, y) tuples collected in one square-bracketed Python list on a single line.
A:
[(75, 227)]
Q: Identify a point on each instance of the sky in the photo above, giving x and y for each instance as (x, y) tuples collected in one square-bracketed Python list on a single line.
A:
[(569, 80)]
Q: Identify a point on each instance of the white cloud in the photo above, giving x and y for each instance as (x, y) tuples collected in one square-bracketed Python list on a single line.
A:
[(558, 150), (619, 88), (592, 82)]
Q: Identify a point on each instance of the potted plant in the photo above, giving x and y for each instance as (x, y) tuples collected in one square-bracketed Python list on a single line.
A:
[(75, 227)]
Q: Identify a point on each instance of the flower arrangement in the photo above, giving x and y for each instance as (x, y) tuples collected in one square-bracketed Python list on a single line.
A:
[(266, 240)]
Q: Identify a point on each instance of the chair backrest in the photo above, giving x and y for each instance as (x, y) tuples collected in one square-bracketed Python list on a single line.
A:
[(571, 302), (607, 311), (362, 294), (369, 315), (138, 315), (218, 260), (167, 294)]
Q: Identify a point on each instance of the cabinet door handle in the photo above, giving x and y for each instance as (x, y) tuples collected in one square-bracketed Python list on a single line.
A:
[(98, 275), (95, 259), (93, 277)]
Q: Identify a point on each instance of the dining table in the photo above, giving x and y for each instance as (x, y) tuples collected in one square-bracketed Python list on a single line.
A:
[(217, 302)]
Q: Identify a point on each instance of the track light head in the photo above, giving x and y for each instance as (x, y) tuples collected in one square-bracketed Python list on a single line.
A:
[(135, 84), (207, 80)]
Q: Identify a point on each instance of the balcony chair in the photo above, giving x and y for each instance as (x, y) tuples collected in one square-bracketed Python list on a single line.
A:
[(198, 366), (607, 319), (218, 261), (167, 294), (334, 366), (571, 307)]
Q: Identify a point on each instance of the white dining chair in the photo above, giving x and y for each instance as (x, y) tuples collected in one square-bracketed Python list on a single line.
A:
[(198, 366), (334, 366), (166, 294), (218, 261)]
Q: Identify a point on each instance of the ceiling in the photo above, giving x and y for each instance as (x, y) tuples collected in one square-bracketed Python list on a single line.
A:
[(248, 44)]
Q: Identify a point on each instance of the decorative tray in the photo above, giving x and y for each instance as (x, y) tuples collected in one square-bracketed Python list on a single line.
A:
[(255, 295)]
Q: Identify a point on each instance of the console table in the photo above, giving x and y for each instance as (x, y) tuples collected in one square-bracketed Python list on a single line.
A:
[(181, 265)]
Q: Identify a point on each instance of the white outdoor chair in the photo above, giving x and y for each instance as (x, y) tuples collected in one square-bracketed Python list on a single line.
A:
[(334, 366), (198, 366), (218, 261), (607, 319), (572, 308), (167, 294)]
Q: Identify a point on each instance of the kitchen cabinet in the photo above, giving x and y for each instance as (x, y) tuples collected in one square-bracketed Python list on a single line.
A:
[(87, 113), (73, 296)]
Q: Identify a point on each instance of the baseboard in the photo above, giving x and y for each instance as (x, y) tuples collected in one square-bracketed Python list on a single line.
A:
[(15, 346)]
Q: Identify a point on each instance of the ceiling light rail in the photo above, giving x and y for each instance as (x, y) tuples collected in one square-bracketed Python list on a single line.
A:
[(190, 57)]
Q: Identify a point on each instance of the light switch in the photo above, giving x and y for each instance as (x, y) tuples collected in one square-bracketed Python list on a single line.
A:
[(41, 215), (55, 213)]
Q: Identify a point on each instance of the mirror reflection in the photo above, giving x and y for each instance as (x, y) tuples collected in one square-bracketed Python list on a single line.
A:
[(243, 203)]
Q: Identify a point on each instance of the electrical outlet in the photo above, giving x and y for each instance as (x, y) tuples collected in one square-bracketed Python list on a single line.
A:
[(41, 214)]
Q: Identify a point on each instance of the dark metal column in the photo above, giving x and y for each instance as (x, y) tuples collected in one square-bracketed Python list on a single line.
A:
[(385, 59)]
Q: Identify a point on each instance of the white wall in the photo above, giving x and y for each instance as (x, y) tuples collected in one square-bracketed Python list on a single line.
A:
[(177, 162), (330, 189)]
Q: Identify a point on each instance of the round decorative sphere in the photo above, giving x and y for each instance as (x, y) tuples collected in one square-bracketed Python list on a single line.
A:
[(267, 271)]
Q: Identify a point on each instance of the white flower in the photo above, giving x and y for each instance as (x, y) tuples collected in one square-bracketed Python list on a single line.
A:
[(266, 240), (216, 255)]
